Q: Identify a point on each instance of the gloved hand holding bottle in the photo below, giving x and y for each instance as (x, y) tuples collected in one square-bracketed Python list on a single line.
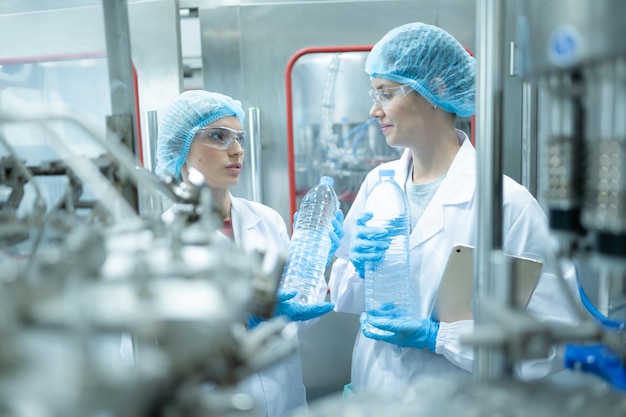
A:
[(403, 332), (335, 235), (368, 245), (293, 310), (296, 311)]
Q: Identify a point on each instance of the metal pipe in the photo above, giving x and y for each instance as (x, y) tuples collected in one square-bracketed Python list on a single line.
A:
[(123, 119), (529, 137), (153, 132), (118, 57), (489, 362), (254, 114), (148, 201)]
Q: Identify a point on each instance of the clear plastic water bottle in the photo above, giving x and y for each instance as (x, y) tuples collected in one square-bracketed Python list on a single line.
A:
[(310, 242), (388, 289)]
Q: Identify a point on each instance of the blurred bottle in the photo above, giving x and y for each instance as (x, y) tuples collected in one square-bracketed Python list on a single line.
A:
[(310, 242), (388, 289)]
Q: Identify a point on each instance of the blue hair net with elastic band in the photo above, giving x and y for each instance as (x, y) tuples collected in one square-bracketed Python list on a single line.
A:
[(191, 111), (429, 60)]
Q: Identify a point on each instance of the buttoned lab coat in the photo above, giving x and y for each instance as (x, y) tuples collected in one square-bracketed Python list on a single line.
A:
[(449, 218), (278, 389)]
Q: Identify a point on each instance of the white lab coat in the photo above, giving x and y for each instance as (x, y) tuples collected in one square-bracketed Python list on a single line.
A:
[(279, 389), (450, 218)]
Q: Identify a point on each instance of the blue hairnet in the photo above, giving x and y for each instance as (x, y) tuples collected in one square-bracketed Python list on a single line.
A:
[(192, 110), (429, 60)]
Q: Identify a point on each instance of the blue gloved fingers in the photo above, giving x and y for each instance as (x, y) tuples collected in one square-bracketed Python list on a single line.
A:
[(363, 319), (367, 253), (371, 233), (307, 312), (361, 245), (295, 220), (368, 246), (404, 332), (254, 321), (284, 295), (338, 223), (388, 311), (361, 260), (390, 325), (376, 336), (365, 217), (302, 312), (335, 235)]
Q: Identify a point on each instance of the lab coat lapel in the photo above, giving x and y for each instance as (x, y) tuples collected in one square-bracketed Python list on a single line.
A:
[(457, 188), (244, 224)]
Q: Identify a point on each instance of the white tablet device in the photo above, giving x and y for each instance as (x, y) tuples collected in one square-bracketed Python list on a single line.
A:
[(456, 290)]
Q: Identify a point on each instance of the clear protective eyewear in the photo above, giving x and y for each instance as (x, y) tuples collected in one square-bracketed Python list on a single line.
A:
[(384, 96), (219, 137)]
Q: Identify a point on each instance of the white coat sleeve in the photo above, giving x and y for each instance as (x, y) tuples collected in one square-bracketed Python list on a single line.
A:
[(449, 344), (529, 235)]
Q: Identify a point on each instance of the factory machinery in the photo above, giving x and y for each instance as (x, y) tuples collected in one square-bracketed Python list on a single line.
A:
[(109, 309), (105, 312)]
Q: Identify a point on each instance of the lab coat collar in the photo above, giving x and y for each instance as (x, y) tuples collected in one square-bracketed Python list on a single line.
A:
[(243, 218), (457, 188)]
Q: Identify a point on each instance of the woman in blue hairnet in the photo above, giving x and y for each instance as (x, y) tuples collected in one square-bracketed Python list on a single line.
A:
[(422, 79), (204, 131)]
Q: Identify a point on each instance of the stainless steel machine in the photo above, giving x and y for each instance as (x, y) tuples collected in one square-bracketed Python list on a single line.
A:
[(107, 307)]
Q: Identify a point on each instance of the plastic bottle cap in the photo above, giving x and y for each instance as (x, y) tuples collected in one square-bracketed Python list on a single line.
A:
[(327, 180), (386, 173)]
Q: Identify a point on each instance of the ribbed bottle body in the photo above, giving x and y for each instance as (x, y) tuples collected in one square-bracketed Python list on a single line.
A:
[(310, 242), (388, 289)]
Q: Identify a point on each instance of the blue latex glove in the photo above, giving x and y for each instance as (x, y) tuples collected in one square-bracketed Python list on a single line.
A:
[(335, 235), (368, 245), (254, 321), (296, 311), (404, 332)]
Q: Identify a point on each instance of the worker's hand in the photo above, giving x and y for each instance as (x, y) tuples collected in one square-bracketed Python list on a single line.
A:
[(254, 321), (368, 245), (335, 235), (418, 334), (297, 311)]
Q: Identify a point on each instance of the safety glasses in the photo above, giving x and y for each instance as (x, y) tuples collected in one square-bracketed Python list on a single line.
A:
[(383, 96), (219, 137)]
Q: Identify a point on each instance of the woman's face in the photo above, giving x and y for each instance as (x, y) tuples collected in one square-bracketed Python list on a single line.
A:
[(221, 167), (401, 112)]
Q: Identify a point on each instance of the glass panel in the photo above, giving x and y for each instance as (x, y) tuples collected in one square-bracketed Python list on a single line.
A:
[(32, 88), (333, 133)]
